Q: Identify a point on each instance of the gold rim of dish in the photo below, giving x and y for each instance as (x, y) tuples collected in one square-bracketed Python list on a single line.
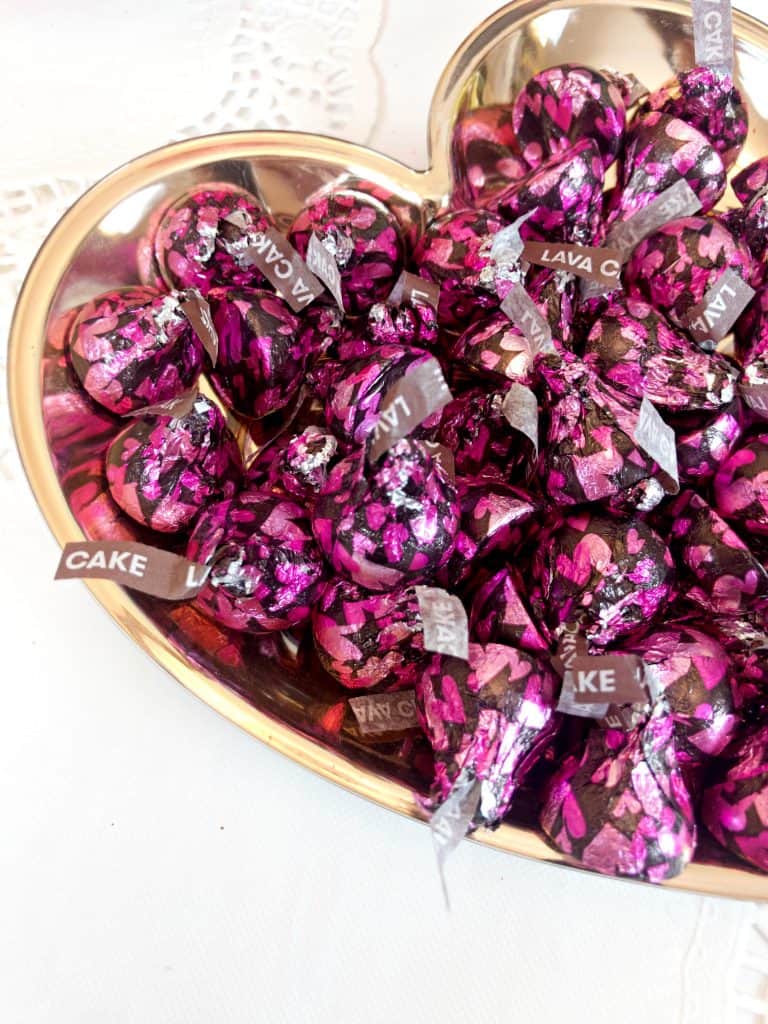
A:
[(27, 338)]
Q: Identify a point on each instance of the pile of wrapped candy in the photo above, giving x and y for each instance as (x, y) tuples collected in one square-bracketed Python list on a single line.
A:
[(549, 404)]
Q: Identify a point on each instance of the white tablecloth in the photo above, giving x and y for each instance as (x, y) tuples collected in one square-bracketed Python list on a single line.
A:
[(158, 866)]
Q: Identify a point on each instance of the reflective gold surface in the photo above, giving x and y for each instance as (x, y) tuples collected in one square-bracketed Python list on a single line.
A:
[(94, 246)]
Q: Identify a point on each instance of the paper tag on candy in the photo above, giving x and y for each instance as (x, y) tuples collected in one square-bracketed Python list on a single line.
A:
[(624, 718), (378, 713), (322, 263), (507, 245), (521, 411), (279, 262), (525, 315), (444, 622), (602, 265), (611, 678), (138, 566), (756, 397), (713, 34), (679, 200), (443, 457), (410, 288), (658, 441), (452, 819), (198, 312), (178, 407), (718, 311), (408, 403)]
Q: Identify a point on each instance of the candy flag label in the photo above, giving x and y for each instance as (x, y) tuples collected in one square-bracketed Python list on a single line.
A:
[(279, 262), (718, 311), (444, 621), (139, 566), (521, 411), (322, 263), (378, 713), (713, 34), (410, 288), (198, 312), (611, 678), (658, 441), (408, 403), (178, 407), (679, 200), (452, 819), (624, 718), (601, 265), (524, 314), (443, 457), (755, 396)]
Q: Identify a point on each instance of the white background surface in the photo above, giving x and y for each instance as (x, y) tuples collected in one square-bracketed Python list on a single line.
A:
[(157, 866)]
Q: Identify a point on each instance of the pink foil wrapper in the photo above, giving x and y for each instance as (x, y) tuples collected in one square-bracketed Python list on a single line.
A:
[(735, 809)]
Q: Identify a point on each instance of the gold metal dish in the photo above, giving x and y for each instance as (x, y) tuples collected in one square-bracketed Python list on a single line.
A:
[(93, 248)]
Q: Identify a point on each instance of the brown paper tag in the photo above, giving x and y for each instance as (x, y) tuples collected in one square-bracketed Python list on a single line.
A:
[(444, 622), (443, 457), (607, 678), (178, 407), (525, 315), (679, 200), (415, 290), (718, 311), (279, 262), (624, 718), (408, 403), (570, 644), (602, 265), (322, 263), (713, 34), (521, 411), (198, 312), (134, 565), (378, 713), (658, 441), (755, 396)]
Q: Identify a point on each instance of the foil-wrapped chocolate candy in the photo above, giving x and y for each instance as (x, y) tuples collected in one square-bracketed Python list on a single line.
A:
[(495, 347), (638, 352), (485, 156), (621, 807), (261, 355), (692, 672), (364, 639), (751, 180), (266, 572), (162, 471), (561, 200), (413, 325), (300, 466), (610, 577), (135, 348), (660, 151), (741, 487), (702, 449), (500, 614), (735, 809), (676, 267), (495, 515), (363, 238), (724, 576), (487, 718), (562, 104), (196, 246), (708, 100), (456, 252), (390, 524), (475, 430)]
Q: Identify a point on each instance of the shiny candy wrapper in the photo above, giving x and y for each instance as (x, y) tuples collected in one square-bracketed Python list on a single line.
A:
[(678, 265), (495, 347), (634, 349), (495, 515), (693, 674), (162, 471), (500, 614), (703, 449), (197, 247), (412, 325), (490, 717), (300, 467), (455, 252), (389, 524), (621, 806), (735, 809), (364, 240), (563, 104), (753, 179), (741, 487), (610, 577), (485, 156), (475, 430), (725, 578), (562, 200), (660, 151), (707, 100), (266, 570), (261, 357), (135, 348), (365, 640)]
